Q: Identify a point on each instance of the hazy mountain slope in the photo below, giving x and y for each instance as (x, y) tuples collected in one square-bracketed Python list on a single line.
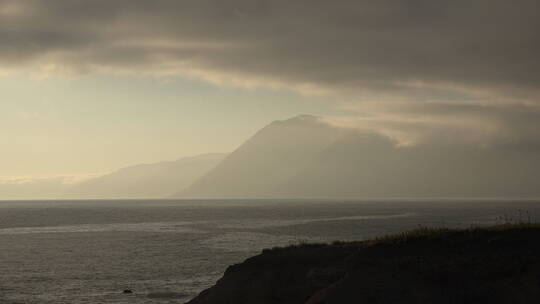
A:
[(372, 166), (147, 180), (305, 158), (273, 155)]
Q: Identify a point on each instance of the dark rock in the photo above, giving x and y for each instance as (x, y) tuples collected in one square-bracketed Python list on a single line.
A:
[(426, 266), (167, 295)]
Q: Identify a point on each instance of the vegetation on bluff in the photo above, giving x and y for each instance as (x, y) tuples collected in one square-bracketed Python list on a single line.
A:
[(498, 264)]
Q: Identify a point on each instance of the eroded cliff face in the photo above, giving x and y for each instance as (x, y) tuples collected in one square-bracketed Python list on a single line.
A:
[(496, 265)]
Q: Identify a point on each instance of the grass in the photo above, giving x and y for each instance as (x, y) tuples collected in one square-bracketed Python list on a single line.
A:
[(495, 264), (426, 232), (521, 221)]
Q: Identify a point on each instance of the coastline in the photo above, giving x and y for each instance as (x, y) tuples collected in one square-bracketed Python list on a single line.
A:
[(497, 264)]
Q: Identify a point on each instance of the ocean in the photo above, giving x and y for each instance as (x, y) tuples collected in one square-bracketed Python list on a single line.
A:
[(167, 251)]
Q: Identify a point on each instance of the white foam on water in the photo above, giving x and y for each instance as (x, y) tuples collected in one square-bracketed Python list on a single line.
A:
[(252, 241), (269, 223), (171, 227)]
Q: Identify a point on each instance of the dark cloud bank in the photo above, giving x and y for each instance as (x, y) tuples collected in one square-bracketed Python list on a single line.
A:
[(407, 64)]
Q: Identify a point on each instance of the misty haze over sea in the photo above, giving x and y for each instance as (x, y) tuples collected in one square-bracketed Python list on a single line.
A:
[(147, 145), (168, 250), (309, 157)]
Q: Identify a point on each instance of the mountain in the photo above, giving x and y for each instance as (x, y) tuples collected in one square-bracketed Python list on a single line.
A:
[(260, 166), (147, 180), (304, 157), (360, 165)]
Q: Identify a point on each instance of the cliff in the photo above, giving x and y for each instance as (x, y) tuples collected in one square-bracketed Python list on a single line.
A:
[(482, 265)]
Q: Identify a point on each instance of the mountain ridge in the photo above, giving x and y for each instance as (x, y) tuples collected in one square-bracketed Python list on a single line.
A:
[(270, 152), (305, 157), (153, 180)]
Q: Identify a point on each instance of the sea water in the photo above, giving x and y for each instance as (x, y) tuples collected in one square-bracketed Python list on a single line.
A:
[(166, 251)]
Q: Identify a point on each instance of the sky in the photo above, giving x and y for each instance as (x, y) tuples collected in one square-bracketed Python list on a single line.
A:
[(87, 87), (92, 124)]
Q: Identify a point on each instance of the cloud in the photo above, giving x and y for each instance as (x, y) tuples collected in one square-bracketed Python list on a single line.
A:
[(503, 126), (378, 45), (51, 187), (455, 61), (27, 180)]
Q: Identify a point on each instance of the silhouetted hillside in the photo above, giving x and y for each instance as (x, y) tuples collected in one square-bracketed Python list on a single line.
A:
[(481, 265), (260, 166), (147, 180), (304, 157)]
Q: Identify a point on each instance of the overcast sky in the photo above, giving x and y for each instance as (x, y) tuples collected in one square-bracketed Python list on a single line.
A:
[(90, 86)]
